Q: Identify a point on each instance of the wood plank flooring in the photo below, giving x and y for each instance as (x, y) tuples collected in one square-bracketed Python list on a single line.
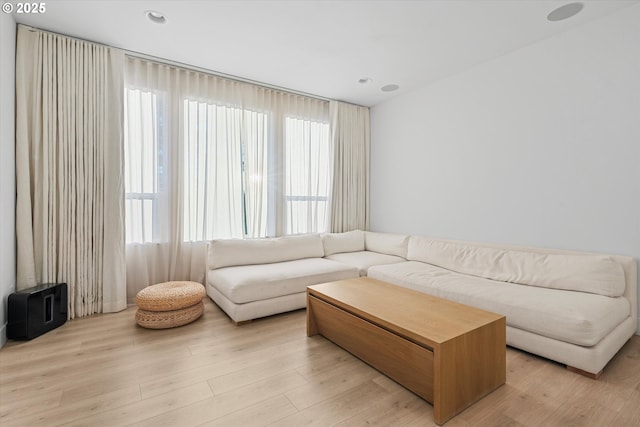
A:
[(106, 371)]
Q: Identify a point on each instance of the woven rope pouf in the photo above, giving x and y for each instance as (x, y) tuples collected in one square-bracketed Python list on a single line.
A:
[(170, 304), (169, 319)]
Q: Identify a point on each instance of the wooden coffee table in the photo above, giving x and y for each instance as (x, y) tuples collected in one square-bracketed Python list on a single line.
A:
[(449, 354)]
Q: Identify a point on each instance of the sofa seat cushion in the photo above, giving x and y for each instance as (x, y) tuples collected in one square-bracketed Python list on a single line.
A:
[(242, 284), (364, 259), (574, 317)]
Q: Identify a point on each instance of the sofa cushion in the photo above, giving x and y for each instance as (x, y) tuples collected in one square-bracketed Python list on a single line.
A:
[(335, 243), (230, 252), (242, 284), (596, 274), (364, 259), (574, 317), (386, 243)]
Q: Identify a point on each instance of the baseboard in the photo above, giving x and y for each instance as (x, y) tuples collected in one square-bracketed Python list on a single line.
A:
[(3, 335)]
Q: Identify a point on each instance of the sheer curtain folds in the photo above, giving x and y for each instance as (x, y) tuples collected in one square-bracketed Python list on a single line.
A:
[(308, 180), (69, 209), (350, 134), (225, 150), (208, 157)]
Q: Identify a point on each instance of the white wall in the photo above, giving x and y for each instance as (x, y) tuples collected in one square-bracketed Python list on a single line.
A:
[(540, 147), (7, 167)]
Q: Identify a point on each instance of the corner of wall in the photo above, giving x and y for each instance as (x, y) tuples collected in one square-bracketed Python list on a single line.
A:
[(7, 166)]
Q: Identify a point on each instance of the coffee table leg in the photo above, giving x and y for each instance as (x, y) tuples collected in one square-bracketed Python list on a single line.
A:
[(444, 399), (312, 328), (467, 368)]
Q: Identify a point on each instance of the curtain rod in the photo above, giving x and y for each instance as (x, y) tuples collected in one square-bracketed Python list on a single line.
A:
[(172, 63), (190, 67)]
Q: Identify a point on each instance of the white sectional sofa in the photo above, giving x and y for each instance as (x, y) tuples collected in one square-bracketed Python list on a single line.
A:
[(575, 308)]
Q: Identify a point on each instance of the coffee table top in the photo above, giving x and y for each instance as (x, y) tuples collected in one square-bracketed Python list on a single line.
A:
[(419, 317)]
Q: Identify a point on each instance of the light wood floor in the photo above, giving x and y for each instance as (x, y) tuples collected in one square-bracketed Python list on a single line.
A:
[(104, 371)]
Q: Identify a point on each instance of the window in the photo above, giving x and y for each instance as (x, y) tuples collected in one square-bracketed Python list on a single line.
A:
[(308, 175), (143, 164), (210, 158), (225, 165)]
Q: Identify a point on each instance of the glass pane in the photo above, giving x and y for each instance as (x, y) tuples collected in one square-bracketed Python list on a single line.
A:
[(139, 220), (141, 171), (141, 141), (255, 176), (308, 175), (301, 214), (225, 187)]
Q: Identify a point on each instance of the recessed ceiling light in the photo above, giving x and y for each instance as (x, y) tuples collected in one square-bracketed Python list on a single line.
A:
[(564, 12), (155, 16), (389, 88), (364, 80)]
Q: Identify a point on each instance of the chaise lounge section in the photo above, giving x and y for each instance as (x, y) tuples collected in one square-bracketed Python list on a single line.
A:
[(575, 308)]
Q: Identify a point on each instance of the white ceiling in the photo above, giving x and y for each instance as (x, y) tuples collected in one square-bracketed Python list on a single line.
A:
[(321, 47)]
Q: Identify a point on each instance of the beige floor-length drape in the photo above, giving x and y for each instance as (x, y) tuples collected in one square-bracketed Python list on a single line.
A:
[(70, 195), (350, 135)]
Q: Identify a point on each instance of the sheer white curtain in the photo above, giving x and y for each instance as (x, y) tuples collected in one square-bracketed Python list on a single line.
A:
[(69, 209), (308, 175), (350, 134), (205, 159), (212, 193)]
